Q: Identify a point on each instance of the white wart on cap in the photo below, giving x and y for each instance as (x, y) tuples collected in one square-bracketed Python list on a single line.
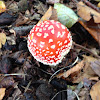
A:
[(49, 42)]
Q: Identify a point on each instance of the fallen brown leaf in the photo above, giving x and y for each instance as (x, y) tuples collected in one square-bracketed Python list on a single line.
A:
[(2, 39), (86, 72), (94, 78), (96, 67), (92, 28), (85, 12), (89, 58), (50, 14), (2, 93), (76, 75), (21, 20), (95, 91), (76, 68)]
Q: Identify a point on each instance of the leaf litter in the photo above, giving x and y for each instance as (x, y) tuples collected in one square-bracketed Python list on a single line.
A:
[(23, 77)]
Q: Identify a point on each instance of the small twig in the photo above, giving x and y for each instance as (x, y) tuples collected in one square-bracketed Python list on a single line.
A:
[(65, 91), (75, 1), (43, 70), (26, 88), (91, 5), (10, 3), (13, 74), (86, 49)]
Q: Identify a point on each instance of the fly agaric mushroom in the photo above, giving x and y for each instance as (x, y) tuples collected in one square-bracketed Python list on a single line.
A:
[(49, 42)]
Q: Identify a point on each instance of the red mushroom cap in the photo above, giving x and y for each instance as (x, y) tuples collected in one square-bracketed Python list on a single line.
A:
[(49, 42)]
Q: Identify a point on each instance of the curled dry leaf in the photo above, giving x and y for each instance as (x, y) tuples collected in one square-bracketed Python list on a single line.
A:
[(76, 68), (95, 91), (80, 71), (2, 93), (85, 12), (93, 28), (50, 14), (21, 20), (2, 6), (87, 71), (2, 39)]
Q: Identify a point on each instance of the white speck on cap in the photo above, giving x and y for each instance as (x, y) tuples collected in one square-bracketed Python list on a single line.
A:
[(51, 52), (65, 41), (39, 34), (52, 31), (42, 42), (63, 27), (40, 30), (41, 45), (59, 34), (45, 35), (50, 27), (53, 46), (50, 40), (58, 26), (46, 25), (34, 40), (60, 43), (47, 51)]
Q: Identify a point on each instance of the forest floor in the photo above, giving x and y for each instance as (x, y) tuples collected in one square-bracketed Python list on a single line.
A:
[(22, 77)]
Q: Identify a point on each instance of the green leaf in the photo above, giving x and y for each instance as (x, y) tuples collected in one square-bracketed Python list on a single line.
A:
[(65, 15), (97, 0)]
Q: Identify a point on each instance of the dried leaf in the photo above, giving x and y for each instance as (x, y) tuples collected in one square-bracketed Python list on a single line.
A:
[(96, 67), (50, 14), (2, 93), (85, 12), (86, 72), (89, 58), (95, 91), (54, 15), (76, 68), (2, 6), (21, 20), (2, 39), (92, 28), (47, 15)]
